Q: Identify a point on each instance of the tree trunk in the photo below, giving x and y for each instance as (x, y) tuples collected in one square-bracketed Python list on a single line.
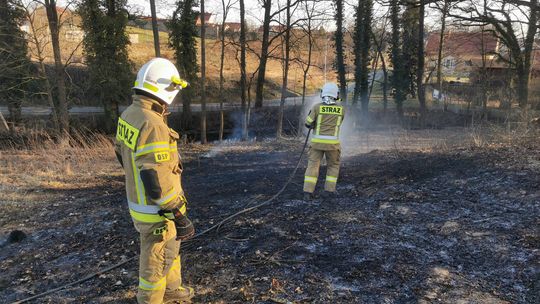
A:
[(440, 52), (340, 57), (420, 71), (203, 76), (155, 28), (243, 69), (259, 90), (54, 27), (221, 78), (285, 71)]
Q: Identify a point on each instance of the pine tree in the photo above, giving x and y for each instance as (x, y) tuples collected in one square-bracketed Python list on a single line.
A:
[(410, 34), (105, 47), (399, 82), (362, 45), (14, 61), (339, 64), (182, 33)]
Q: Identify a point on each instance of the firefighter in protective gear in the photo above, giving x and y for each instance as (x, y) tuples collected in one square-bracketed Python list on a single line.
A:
[(325, 118), (147, 149)]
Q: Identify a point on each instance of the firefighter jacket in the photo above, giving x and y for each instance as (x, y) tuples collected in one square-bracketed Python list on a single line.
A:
[(147, 149), (326, 121)]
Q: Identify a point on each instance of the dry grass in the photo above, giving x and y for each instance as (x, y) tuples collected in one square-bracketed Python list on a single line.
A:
[(43, 169)]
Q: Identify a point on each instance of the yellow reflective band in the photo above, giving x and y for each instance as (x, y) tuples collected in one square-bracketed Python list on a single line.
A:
[(309, 119), (183, 209), (167, 198), (338, 123), (333, 110), (162, 157), (136, 83), (158, 146), (150, 86), (325, 141), (138, 183), (319, 120), (310, 179), (331, 179), (145, 217), (175, 263), (127, 134), (145, 285)]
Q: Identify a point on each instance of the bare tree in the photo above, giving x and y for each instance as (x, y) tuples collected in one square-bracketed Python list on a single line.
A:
[(38, 41), (421, 91), (155, 29), (245, 110), (54, 27), (286, 59), (203, 74), (515, 23), (269, 17), (226, 7), (340, 55)]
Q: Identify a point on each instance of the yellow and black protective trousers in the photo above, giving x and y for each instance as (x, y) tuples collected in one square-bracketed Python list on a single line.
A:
[(147, 150), (326, 121)]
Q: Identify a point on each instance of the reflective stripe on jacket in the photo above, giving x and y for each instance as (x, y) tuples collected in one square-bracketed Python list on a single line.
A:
[(146, 144), (327, 121)]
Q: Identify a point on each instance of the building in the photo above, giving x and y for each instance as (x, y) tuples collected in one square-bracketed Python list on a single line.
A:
[(463, 53), (70, 29)]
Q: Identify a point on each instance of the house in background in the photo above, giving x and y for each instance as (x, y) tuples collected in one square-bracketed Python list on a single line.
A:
[(463, 53), (36, 27), (70, 29)]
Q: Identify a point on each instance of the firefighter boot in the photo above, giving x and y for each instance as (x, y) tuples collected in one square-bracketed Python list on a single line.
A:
[(181, 295), (308, 196)]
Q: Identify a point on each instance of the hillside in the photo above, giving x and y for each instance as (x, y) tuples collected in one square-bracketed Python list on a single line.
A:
[(143, 50)]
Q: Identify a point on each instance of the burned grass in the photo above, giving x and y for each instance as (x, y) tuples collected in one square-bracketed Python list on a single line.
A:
[(438, 226)]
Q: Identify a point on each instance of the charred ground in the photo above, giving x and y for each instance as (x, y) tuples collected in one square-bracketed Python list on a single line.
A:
[(409, 226)]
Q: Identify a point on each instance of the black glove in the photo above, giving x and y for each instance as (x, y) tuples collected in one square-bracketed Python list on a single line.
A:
[(184, 227)]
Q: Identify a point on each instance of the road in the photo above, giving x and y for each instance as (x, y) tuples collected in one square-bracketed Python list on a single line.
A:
[(87, 110)]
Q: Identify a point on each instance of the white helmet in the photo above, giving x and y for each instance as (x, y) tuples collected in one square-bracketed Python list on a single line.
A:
[(160, 78), (330, 92)]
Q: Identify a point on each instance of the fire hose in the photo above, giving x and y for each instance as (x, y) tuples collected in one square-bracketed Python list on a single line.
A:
[(214, 227)]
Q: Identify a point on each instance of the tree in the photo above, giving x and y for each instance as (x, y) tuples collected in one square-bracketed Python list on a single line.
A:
[(245, 110), (182, 33), (265, 44), (286, 59), (362, 46), (410, 25), (340, 56), (155, 29), (38, 38), (105, 47), (203, 75), (516, 32), (61, 106), (14, 61), (421, 92), (380, 40), (308, 27), (226, 7), (399, 82), (445, 9)]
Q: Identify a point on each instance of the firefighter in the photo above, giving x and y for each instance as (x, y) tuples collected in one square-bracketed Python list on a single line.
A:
[(147, 150), (325, 118)]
